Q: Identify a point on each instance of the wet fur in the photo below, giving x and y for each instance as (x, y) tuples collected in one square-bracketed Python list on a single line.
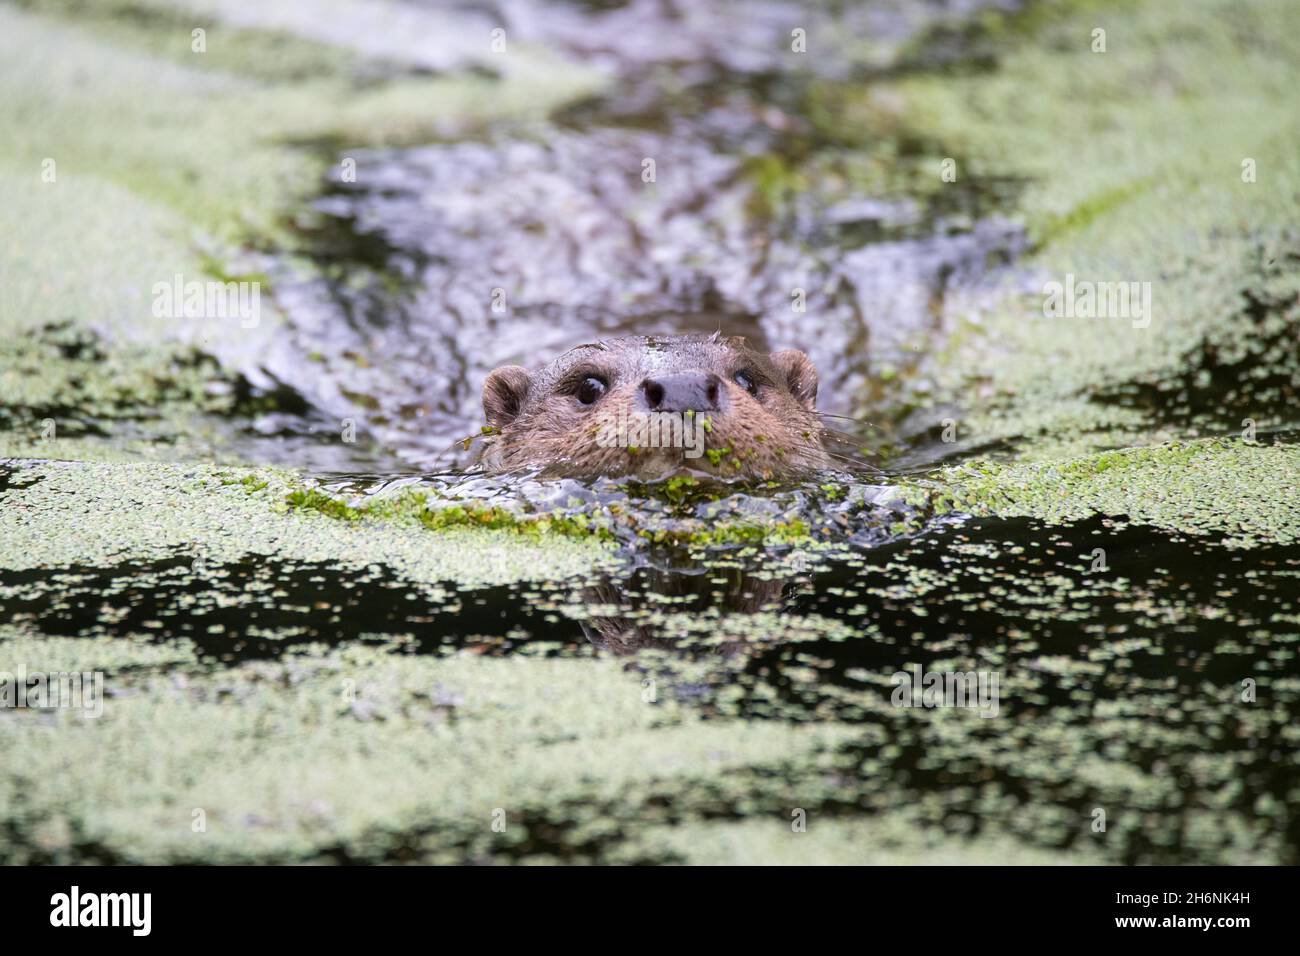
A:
[(539, 423)]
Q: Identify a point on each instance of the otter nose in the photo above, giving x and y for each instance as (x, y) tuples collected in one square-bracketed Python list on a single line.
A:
[(687, 391)]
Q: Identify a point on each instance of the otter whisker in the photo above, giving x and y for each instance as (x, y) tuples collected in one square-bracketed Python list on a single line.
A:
[(857, 463), (846, 418)]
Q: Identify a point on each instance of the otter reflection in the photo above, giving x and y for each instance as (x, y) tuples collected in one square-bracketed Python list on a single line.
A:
[(681, 607)]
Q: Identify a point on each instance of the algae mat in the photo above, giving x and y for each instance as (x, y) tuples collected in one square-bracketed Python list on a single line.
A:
[(283, 685)]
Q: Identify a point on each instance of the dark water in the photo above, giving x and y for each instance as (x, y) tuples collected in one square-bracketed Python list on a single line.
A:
[(1137, 667)]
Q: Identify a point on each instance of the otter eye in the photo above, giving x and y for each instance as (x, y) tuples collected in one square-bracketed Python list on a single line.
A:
[(590, 390), (745, 381)]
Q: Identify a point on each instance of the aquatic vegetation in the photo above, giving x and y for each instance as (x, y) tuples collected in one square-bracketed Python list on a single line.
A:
[(1243, 494), (94, 514), (735, 716), (1166, 206)]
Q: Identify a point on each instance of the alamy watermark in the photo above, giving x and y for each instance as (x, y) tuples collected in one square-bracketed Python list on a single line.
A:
[(637, 430), (75, 908), (975, 690), (208, 299), (83, 691), (1083, 299)]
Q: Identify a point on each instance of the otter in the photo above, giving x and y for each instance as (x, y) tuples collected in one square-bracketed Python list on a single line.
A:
[(653, 407)]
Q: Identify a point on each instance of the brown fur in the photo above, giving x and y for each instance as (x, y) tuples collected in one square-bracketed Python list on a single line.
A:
[(538, 422)]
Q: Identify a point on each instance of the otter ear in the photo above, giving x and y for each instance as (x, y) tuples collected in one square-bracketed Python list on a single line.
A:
[(800, 375), (504, 392)]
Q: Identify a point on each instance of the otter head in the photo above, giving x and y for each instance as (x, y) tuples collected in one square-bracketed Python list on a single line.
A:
[(653, 407)]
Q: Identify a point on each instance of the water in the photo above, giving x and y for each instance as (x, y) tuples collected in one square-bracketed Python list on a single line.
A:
[(443, 261), (1120, 687)]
